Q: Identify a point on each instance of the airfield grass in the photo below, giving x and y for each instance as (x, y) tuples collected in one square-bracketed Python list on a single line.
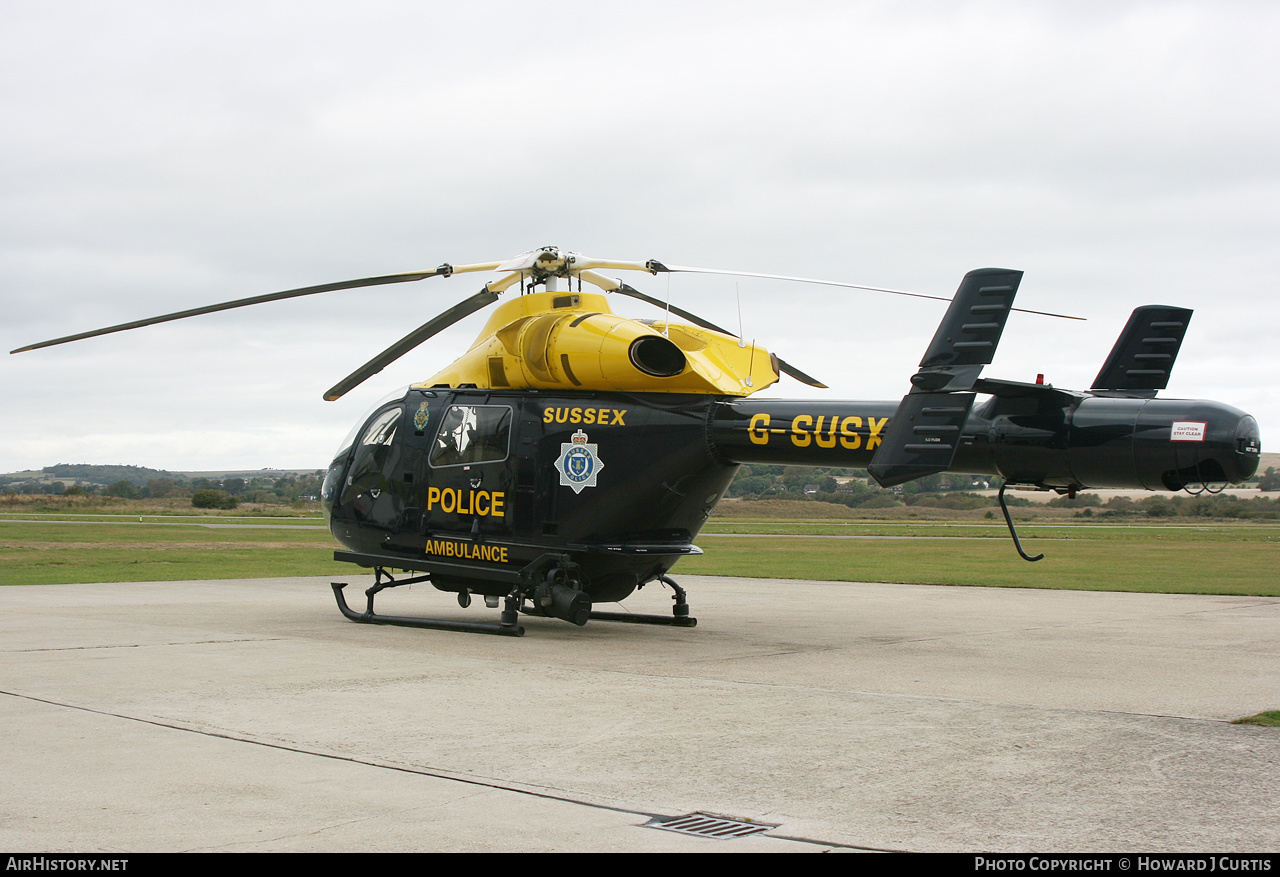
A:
[(1268, 718), (47, 553), (48, 546), (916, 545), (1116, 559)]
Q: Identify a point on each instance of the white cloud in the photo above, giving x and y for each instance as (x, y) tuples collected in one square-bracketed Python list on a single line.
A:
[(162, 156)]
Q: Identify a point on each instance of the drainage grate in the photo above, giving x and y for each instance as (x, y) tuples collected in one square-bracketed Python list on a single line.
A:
[(702, 825)]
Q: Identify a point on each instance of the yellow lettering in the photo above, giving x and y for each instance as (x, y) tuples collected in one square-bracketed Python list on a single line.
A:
[(799, 437), (466, 550), (875, 427), (599, 416), (756, 430), (830, 440), (848, 438), (475, 502)]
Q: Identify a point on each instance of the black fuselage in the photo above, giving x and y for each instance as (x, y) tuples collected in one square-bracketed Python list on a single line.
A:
[(486, 489)]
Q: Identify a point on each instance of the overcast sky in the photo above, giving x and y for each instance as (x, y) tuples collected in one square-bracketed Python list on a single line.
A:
[(158, 156)]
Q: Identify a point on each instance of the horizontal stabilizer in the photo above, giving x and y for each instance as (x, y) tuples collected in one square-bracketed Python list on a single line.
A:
[(1020, 390), (1143, 356)]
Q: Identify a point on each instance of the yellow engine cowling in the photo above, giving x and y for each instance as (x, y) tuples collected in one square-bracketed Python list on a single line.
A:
[(572, 341)]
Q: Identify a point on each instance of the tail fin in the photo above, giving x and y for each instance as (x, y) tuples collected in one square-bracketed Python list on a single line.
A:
[(1143, 355), (925, 430)]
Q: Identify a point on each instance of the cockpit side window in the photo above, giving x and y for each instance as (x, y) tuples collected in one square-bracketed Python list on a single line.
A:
[(383, 429), (472, 434), (373, 453)]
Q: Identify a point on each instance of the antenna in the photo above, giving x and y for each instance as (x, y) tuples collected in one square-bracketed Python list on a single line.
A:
[(741, 343), (666, 326)]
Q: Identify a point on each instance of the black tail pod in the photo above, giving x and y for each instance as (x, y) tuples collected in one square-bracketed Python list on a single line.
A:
[(925, 430)]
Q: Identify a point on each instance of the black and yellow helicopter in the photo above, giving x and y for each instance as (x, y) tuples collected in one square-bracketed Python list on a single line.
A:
[(572, 456)]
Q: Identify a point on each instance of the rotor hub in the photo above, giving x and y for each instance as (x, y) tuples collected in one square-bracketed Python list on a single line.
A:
[(541, 264)]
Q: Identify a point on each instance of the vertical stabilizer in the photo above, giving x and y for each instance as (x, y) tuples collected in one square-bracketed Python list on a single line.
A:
[(1143, 356), (925, 430)]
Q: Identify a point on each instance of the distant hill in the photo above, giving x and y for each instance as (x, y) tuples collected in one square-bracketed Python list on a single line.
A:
[(246, 474), (139, 476), (85, 472)]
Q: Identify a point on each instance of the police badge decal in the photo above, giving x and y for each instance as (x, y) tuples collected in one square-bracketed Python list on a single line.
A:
[(578, 463)]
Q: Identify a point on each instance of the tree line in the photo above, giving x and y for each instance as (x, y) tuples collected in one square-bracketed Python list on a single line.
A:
[(851, 487), (265, 489)]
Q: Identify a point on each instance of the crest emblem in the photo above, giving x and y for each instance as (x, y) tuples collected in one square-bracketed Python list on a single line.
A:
[(420, 417), (578, 463)]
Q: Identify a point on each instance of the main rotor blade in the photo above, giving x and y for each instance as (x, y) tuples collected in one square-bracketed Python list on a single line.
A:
[(462, 309), (785, 367), (657, 267), (444, 270)]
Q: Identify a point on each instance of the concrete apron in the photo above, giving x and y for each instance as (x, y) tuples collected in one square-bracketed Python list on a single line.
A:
[(249, 715)]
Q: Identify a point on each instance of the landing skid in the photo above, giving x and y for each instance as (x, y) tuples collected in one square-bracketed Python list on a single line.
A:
[(679, 616), (668, 620), (507, 627)]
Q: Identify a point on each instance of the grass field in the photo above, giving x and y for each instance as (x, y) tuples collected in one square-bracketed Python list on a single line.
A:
[(126, 550), (943, 547), (98, 544), (1267, 718), (1223, 559)]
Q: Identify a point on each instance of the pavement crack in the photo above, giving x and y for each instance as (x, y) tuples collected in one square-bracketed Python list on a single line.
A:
[(480, 783), (198, 642)]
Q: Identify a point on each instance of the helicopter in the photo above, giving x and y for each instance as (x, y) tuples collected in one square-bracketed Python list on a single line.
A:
[(571, 455)]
